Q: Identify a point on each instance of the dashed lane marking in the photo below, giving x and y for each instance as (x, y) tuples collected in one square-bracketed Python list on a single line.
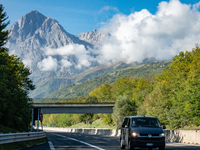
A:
[(79, 141), (51, 145)]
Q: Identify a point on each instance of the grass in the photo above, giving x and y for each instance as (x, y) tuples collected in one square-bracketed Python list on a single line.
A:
[(96, 124), (190, 128)]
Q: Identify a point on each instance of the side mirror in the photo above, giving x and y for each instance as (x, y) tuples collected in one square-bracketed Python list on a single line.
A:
[(126, 126), (164, 127)]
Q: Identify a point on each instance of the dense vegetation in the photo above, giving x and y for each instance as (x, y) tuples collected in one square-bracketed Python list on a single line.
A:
[(47, 85), (82, 89), (15, 110), (173, 96)]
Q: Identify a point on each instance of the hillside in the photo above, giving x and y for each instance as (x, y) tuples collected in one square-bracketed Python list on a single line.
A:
[(45, 86), (83, 88)]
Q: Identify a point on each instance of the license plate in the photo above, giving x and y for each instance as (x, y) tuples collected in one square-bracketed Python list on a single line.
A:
[(149, 144)]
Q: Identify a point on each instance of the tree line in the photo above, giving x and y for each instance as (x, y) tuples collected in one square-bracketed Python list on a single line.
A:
[(15, 109)]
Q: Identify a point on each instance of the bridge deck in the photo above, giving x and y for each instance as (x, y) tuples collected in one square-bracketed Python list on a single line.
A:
[(48, 108)]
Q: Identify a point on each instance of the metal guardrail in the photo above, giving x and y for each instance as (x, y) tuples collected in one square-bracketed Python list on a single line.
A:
[(20, 137)]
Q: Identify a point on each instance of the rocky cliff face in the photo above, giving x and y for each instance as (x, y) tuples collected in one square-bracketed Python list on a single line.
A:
[(93, 37), (33, 33), (38, 31)]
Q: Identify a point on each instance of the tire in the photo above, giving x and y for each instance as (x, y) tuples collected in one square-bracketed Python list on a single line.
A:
[(121, 145), (162, 148), (130, 146)]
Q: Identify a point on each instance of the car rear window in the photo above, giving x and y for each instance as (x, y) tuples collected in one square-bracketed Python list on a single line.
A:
[(145, 122)]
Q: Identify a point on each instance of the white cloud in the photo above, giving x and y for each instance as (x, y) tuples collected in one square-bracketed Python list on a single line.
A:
[(65, 63), (106, 8), (196, 6), (27, 62), (77, 51), (174, 28), (48, 64)]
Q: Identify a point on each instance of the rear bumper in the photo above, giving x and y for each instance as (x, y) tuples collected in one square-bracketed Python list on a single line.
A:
[(147, 142)]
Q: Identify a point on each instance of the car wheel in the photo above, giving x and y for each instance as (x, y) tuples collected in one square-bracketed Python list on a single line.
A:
[(162, 148), (121, 144), (130, 146)]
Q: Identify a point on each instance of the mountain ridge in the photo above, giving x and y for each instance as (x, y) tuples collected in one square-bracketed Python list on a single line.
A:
[(39, 40), (82, 88)]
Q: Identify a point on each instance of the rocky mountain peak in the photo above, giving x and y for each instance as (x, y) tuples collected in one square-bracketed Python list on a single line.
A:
[(26, 26), (32, 18), (93, 37), (33, 33), (36, 30)]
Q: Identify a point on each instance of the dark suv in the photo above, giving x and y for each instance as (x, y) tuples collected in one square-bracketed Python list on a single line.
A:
[(143, 132)]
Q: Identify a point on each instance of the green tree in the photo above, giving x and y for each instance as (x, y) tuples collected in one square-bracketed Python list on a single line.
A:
[(3, 32), (123, 87), (123, 107), (15, 111)]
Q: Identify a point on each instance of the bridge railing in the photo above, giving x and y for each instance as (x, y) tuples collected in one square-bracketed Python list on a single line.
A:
[(59, 100), (20, 137)]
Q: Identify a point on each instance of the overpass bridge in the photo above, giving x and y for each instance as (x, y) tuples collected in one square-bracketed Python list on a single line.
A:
[(57, 108), (61, 108)]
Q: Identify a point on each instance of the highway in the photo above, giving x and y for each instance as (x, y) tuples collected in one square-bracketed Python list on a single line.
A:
[(77, 141)]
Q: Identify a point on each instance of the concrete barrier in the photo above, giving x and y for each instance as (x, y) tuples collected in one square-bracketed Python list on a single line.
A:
[(180, 136), (85, 131), (183, 136)]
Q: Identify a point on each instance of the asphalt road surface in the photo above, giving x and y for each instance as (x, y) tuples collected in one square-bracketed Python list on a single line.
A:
[(77, 141)]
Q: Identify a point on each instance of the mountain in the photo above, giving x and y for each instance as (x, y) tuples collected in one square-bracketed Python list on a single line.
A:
[(53, 84), (30, 39), (33, 33), (93, 37), (36, 30), (55, 57)]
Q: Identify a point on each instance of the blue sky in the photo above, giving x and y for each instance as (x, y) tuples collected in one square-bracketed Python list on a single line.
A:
[(78, 16)]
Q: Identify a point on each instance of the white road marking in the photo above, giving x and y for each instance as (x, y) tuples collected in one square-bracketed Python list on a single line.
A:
[(51, 145), (79, 141)]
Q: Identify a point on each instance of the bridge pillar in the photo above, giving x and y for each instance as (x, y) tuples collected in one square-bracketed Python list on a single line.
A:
[(32, 119)]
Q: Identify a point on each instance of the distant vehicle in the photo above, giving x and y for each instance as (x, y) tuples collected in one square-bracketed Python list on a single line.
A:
[(142, 132)]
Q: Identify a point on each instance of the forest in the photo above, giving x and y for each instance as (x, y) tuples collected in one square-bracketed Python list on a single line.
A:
[(173, 96)]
